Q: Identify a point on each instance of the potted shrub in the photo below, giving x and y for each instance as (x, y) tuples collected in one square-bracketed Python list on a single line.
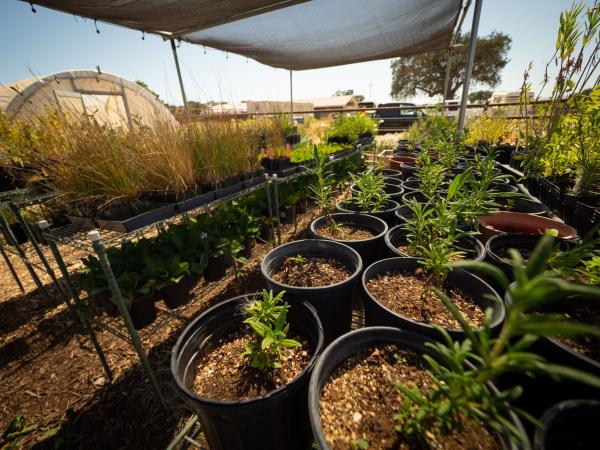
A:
[(321, 272), (370, 385), (370, 198), (265, 348)]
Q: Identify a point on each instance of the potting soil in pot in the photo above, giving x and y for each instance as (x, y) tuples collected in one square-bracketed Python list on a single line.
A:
[(223, 360), (309, 271), (360, 399), (346, 232), (581, 310), (401, 293)]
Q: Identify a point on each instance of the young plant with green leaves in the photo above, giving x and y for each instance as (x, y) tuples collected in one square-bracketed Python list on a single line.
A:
[(370, 192), (461, 372), (322, 184), (268, 320)]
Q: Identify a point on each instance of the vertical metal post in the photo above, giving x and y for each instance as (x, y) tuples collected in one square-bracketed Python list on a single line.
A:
[(37, 249), (269, 206), (447, 78), (183, 96), (291, 99), (469, 64), (43, 225), (13, 241), (11, 268), (276, 198), (98, 246)]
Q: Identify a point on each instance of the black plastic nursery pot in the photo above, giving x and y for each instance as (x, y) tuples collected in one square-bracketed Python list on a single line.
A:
[(403, 214), (386, 214), (277, 420), (179, 294), (468, 284), (570, 207), (391, 173), (397, 236), (496, 248), (393, 191), (504, 188), (525, 205), (142, 311), (349, 345), (572, 424), (287, 214), (408, 170), (586, 218), (217, 267), (418, 195), (411, 185), (394, 181), (503, 153), (334, 302), (370, 250)]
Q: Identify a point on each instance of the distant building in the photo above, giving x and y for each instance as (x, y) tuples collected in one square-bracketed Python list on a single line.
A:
[(509, 96), (228, 108), (336, 102), (277, 107)]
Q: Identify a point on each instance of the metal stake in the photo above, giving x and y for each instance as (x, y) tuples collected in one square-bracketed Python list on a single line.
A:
[(276, 198), (183, 96), (38, 250), (13, 241), (469, 65), (43, 225), (291, 99), (269, 206), (100, 250), (11, 268)]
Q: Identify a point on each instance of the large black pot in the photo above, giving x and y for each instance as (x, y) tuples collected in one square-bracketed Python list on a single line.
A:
[(275, 421), (333, 303), (408, 170), (370, 250), (403, 214), (411, 185), (350, 344), (572, 424), (470, 285), (394, 181), (386, 214), (397, 235), (393, 191), (391, 173), (500, 243)]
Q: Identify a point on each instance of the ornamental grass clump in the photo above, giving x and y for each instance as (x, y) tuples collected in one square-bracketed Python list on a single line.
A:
[(268, 320)]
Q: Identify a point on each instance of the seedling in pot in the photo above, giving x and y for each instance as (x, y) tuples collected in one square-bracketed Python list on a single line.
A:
[(460, 391), (268, 319), (371, 195), (298, 259)]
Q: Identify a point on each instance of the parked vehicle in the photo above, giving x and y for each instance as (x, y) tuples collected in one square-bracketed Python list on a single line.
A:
[(397, 119)]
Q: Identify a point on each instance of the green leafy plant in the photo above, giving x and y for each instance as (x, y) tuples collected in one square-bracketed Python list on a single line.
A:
[(268, 319), (461, 390), (298, 259), (347, 129), (370, 195)]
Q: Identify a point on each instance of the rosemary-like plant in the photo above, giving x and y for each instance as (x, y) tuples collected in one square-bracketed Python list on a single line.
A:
[(371, 195)]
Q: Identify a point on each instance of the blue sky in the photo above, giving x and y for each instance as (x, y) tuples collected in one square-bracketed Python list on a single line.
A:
[(48, 42)]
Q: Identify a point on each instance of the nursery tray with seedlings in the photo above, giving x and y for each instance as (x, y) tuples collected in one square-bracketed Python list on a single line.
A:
[(407, 294), (310, 271), (222, 361), (360, 399)]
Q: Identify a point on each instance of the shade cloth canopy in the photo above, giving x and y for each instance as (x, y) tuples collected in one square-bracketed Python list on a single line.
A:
[(289, 34)]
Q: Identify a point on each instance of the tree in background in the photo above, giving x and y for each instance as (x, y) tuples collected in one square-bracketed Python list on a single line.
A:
[(479, 96), (425, 72)]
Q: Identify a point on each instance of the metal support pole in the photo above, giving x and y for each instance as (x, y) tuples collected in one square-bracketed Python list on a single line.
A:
[(98, 246), (269, 206), (185, 104), (447, 78), (469, 65), (13, 241), (276, 198), (11, 268), (38, 250), (43, 225), (291, 99)]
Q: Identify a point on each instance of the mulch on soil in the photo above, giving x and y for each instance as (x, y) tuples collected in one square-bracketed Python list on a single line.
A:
[(311, 271), (346, 232), (53, 377), (401, 292), (360, 399), (223, 360)]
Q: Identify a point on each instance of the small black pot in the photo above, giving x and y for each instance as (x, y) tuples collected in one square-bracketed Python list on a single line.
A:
[(397, 235), (370, 250), (275, 421), (351, 343), (503, 153), (496, 244), (411, 185), (287, 214), (217, 267), (470, 285), (249, 243), (178, 294), (142, 311), (421, 198), (403, 214), (386, 214), (569, 424), (504, 188), (333, 303), (391, 173), (408, 170), (394, 181), (525, 205)]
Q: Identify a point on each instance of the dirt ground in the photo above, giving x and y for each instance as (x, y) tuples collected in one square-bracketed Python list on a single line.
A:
[(52, 376)]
